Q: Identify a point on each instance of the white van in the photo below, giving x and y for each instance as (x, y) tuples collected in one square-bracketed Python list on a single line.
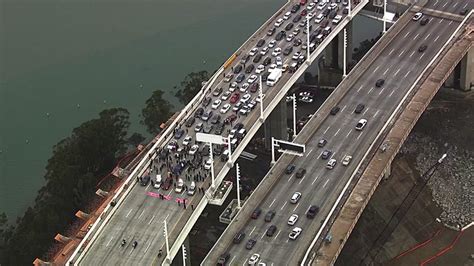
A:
[(157, 181), (179, 186), (192, 189), (274, 77)]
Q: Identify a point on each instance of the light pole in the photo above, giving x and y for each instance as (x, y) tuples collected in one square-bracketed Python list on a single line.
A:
[(237, 168), (307, 37), (260, 93), (384, 14), (350, 11), (344, 71), (273, 150), (183, 249), (166, 242), (212, 164), (294, 116), (229, 159)]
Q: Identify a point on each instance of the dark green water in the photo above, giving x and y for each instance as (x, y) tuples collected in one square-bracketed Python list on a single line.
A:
[(71, 59)]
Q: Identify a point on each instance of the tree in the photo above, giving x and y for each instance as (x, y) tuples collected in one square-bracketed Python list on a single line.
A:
[(135, 139), (191, 85), (156, 111)]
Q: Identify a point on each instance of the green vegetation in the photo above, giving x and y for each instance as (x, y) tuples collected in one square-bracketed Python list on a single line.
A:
[(191, 85), (156, 111), (71, 175)]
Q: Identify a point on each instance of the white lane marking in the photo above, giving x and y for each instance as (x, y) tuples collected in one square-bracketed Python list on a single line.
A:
[(391, 93), (398, 70), (376, 113), (314, 180), (326, 130), (416, 36), (408, 73), (445, 3), (148, 186), (365, 111), (370, 90), (170, 192), (391, 51), (296, 207), (422, 56), (359, 89), (278, 233), (230, 263), (131, 251), (325, 183), (465, 5), (302, 179), (401, 53), (271, 204), (376, 68), (252, 230), (386, 70), (451, 22), (337, 132), (343, 108), (151, 220), (435, 3), (289, 179), (437, 37), (347, 135), (129, 212), (455, 4), (381, 91), (441, 20), (412, 53), (406, 34), (310, 151), (283, 206), (427, 36), (262, 236), (147, 247), (141, 214), (108, 243), (359, 135)]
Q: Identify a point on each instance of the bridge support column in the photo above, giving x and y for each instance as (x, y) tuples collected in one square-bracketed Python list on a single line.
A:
[(102, 193), (387, 171), (467, 71), (276, 124), (62, 239), (82, 215), (334, 51)]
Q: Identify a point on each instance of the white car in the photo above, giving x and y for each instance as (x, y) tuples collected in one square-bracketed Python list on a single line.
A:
[(273, 66), (277, 51), (226, 95), (193, 149), (245, 98), (187, 140), (279, 22), (296, 55), (311, 6), (216, 104), (290, 37), (279, 62), (254, 259), (264, 50), (295, 233), (293, 219), (254, 51), (198, 127), (287, 15), (295, 198), (259, 99), (252, 79), (337, 19), (179, 186), (332, 6), (296, 31), (347, 160), (260, 69), (319, 18), (244, 87), (321, 5), (331, 163), (272, 43), (417, 16), (361, 124), (207, 164), (310, 15), (284, 68), (225, 108)]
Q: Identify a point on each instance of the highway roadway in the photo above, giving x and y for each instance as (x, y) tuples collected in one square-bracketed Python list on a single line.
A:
[(140, 217), (400, 64)]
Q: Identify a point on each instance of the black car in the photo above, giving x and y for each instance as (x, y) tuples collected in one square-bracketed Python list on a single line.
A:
[(219, 129), (345, 11), (464, 12), (424, 21), (257, 58), (332, 14), (322, 143), (301, 172), (326, 12), (269, 216), (249, 69), (256, 213), (218, 149), (265, 76), (297, 18), (223, 259), (271, 31), (335, 110), (422, 48), (238, 237), (206, 101), (260, 42), (199, 111), (312, 211), (178, 133), (267, 61), (215, 119), (237, 69), (250, 244), (240, 78), (245, 59), (271, 230), (204, 150), (217, 91), (379, 82), (290, 168), (208, 129), (280, 35), (359, 108), (288, 50), (238, 126), (190, 121), (289, 26), (297, 42), (295, 8), (326, 154), (144, 180)]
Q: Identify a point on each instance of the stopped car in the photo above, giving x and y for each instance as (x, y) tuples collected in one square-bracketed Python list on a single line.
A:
[(226, 95), (361, 124), (223, 259), (271, 31), (207, 164), (250, 244), (252, 52), (312, 211), (249, 69), (347, 160), (297, 18), (256, 213), (217, 91), (216, 104), (424, 21), (326, 154), (230, 119), (187, 140), (260, 69), (215, 119), (295, 233), (277, 51), (207, 115), (322, 142), (178, 133), (193, 149), (278, 22), (300, 173), (240, 78), (271, 230), (225, 108), (269, 216), (252, 79), (190, 121), (199, 111), (293, 218), (260, 42), (359, 108), (238, 68), (295, 197), (198, 127)]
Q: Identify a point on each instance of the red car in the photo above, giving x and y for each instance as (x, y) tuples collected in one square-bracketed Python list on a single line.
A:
[(302, 2), (231, 118), (254, 87), (235, 98), (304, 12), (167, 184)]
